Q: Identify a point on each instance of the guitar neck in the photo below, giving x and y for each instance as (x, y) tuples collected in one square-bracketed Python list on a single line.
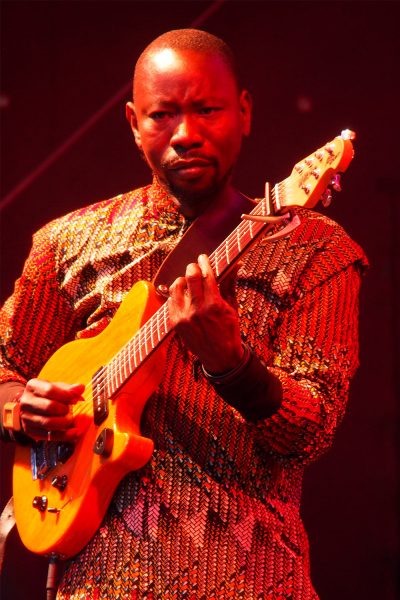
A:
[(304, 187), (157, 328)]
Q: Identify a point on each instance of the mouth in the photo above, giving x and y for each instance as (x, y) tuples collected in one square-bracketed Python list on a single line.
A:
[(190, 168)]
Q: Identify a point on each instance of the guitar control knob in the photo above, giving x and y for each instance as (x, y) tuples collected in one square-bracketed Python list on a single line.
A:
[(104, 443), (326, 198), (335, 183), (40, 502), (60, 482)]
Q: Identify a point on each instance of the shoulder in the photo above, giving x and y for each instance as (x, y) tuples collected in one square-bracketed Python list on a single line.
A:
[(64, 237), (91, 216), (81, 225), (328, 247), (323, 232)]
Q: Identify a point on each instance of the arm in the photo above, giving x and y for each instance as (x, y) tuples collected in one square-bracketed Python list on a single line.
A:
[(34, 322), (298, 397), (210, 328), (315, 354)]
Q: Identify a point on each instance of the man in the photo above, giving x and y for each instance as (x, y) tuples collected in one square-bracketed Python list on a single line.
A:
[(252, 389)]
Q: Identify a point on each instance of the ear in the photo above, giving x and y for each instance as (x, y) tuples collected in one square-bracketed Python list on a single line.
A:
[(132, 120), (246, 106)]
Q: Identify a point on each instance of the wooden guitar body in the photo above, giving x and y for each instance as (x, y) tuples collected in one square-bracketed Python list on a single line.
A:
[(91, 477)]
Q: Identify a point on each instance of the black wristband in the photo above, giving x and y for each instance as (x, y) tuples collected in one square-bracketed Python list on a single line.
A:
[(250, 388)]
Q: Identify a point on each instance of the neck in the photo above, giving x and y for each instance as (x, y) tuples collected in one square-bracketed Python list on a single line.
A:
[(213, 204)]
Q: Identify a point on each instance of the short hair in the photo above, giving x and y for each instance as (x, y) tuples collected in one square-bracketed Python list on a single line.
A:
[(196, 40)]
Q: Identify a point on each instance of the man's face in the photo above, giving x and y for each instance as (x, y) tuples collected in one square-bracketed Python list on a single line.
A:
[(188, 120)]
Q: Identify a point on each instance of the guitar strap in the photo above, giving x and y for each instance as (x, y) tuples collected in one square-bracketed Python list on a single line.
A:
[(203, 236)]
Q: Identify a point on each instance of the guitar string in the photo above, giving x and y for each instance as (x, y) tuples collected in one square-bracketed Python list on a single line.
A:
[(144, 336), (101, 381)]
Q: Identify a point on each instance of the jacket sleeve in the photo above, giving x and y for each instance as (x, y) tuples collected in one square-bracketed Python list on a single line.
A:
[(37, 319), (314, 354)]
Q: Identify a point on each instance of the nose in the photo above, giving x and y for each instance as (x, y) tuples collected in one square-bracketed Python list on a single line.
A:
[(186, 134)]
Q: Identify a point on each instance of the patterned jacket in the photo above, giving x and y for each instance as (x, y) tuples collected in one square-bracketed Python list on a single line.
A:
[(215, 513)]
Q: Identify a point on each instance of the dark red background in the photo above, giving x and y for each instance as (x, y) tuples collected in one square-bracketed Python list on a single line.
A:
[(314, 68)]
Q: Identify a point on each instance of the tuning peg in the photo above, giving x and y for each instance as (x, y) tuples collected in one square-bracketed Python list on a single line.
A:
[(348, 134), (326, 197), (335, 183)]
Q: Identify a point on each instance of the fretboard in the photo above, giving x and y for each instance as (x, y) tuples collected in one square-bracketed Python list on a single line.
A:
[(155, 330)]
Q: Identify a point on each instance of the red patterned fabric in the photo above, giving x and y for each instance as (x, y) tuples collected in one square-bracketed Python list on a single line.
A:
[(215, 513)]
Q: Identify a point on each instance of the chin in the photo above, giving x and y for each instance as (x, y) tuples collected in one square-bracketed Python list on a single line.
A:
[(197, 193)]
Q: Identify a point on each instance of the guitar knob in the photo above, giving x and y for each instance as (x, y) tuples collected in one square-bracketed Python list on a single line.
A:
[(348, 134), (335, 183), (326, 198), (330, 148), (40, 502), (60, 482), (104, 443)]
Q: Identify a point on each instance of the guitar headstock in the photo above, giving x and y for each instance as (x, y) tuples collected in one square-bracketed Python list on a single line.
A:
[(311, 177)]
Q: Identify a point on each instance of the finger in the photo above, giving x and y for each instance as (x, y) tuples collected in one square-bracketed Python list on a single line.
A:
[(177, 291), (43, 406), (62, 392), (210, 287), (33, 423), (194, 279)]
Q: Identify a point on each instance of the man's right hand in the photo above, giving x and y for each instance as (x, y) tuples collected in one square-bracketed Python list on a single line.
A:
[(45, 410)]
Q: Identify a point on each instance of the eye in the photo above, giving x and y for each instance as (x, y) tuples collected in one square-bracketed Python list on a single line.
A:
[(159, 115), (209, 110)]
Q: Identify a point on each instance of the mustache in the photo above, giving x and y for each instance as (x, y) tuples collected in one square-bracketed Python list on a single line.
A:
[(190, 159)]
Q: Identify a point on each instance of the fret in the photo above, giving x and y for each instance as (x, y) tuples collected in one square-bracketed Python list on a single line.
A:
[(227, 251), (238, 239), (125, 363), (164, 309), (217, 272), (133, 353), (145, 339), (131, 366), (152, 333), (106, 382), (114, 374), (111, 370)]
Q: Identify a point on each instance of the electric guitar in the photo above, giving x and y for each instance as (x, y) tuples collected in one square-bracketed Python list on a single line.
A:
[(62, 491)]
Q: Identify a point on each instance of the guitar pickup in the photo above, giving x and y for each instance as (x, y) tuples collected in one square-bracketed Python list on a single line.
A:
[(100, 399)]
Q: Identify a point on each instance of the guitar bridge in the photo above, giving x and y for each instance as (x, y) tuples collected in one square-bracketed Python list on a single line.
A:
[(45, 456)]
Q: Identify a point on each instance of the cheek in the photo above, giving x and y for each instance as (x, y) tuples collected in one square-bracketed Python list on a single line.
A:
[(229, 141), (154, 145)]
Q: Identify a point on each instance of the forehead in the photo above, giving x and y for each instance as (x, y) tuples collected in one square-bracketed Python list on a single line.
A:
[(166, 70)]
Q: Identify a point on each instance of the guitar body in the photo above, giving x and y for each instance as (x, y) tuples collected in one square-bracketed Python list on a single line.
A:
[(72, 515)]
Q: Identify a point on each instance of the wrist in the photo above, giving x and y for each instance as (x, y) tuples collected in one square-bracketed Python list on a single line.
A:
[(11, 429), (230, 374)]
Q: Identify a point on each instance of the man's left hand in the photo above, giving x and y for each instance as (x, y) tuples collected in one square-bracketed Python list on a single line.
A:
[(207, 324)]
